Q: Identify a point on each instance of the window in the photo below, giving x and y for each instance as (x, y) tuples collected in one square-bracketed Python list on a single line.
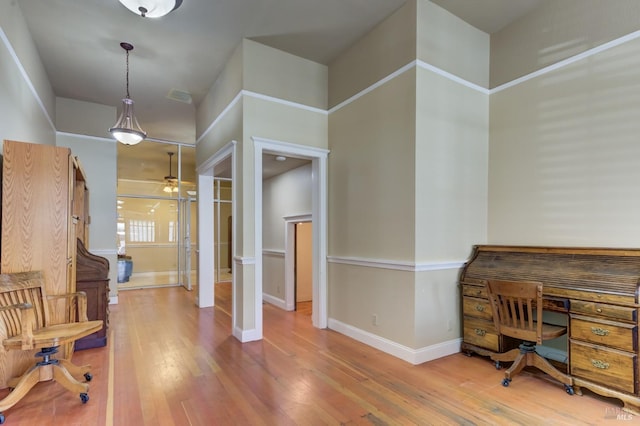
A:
[(142, 231)]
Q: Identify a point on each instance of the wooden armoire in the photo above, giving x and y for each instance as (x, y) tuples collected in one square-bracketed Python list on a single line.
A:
[(44, 210)]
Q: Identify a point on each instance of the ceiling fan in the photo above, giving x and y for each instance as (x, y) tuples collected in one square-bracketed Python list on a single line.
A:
[(171, 182)]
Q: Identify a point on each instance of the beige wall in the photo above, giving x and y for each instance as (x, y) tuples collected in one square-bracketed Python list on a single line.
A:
[(388, 47), (564, 145), (558, 30)]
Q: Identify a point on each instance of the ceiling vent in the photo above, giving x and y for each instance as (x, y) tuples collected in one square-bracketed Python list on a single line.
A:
[(180, 96)]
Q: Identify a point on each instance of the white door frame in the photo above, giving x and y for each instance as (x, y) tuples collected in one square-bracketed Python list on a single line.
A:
[(318, 157), (290, 258), (206, 255)]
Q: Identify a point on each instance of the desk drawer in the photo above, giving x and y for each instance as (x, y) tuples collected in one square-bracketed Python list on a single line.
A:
[(474, 291), (608, 333), (481, 333), (479, 308), (622, 313), (610, 367)]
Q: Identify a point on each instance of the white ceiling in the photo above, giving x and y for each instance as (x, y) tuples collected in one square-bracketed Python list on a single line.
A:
[(78, 42)]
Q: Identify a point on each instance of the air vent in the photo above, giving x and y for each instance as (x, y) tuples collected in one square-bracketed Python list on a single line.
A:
[(180, 96)]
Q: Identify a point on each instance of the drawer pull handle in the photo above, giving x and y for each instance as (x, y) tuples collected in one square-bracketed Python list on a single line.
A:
[(599, 331), (480, 308), (479, 292), (600, 364), (599, 310), (480, 332)]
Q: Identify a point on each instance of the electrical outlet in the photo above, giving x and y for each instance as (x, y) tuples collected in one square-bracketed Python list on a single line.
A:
[(449, 325), (374, 319)]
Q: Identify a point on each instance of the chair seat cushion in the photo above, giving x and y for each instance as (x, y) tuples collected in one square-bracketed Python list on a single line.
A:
[(56, 335)]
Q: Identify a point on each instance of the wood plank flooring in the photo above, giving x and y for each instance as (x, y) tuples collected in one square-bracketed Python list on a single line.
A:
[(170, 363)]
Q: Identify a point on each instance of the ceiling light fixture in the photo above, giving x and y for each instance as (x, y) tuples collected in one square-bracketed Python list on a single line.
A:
[(151, 8), (171, 180), (127, 130)]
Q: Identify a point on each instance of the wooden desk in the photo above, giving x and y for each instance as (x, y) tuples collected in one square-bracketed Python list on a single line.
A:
[(597, 287)]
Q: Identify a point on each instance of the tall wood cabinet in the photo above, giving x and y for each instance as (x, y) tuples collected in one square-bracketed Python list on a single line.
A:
[(44, 209)]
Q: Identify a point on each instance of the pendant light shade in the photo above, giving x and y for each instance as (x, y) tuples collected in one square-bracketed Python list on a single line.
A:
[(127, 130), (151, 8)]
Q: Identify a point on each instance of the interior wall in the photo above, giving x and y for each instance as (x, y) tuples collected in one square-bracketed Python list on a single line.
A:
[(22, 116), (562, 163), (558, 30)]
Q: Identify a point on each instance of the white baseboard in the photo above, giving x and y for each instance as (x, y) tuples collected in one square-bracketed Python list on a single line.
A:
[(413, 356), (280, 303), (246, 335)]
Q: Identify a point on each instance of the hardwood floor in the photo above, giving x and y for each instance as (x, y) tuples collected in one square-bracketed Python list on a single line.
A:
[(170, 363)]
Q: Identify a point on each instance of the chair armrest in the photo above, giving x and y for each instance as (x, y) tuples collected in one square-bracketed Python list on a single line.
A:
[(80, 299), (27, 319)]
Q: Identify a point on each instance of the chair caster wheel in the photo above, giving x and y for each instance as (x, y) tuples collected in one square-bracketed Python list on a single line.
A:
[(1, 419), (88, 377), (569, 389), (505, 382), (498, 366), (84, 397)]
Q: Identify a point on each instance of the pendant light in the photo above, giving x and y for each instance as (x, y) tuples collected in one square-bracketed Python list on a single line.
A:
[(151, 8), (172, 181), (127, 130)]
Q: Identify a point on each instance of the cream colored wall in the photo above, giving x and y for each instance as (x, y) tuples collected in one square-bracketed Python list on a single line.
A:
[(451, 161), (388, 47), (372, 174), (563, 153), (463, 52), (22, 116), (272, 72), (558, 30)]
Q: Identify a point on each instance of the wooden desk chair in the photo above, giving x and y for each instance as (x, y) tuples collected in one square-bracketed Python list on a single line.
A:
[(24, 320), (517, 313)]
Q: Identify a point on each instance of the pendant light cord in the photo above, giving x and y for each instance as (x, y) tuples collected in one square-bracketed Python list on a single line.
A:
[(127, 75)]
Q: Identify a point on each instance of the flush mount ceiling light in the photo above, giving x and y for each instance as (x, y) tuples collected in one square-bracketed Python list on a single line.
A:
[(171, 181), (151, 8), (127, 130)]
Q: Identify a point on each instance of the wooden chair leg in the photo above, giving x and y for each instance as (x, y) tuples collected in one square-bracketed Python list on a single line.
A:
[(517, 366), (544, 365), (24, 385), (77, 371), (506, 356), (62, 376)]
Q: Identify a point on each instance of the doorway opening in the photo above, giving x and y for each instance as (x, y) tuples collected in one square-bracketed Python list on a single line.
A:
[(303, 267)]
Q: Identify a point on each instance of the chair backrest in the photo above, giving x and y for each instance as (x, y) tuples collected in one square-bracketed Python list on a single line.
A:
[(22, 288), (514, 304)]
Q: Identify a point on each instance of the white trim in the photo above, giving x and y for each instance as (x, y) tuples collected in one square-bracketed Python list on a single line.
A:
[(413, 356), (290, 256), (563, 63), (319, 211), (374, 86), (452, 77), (274, 253), (25, 76), (113, 300), (276, 301), (220, 116), (283, 102), (244, 336), (205, 175), (104, 252), (239, 260), (396, 265)]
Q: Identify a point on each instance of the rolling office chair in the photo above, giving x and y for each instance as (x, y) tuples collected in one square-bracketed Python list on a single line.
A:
[(25, 326), (517, 313)]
